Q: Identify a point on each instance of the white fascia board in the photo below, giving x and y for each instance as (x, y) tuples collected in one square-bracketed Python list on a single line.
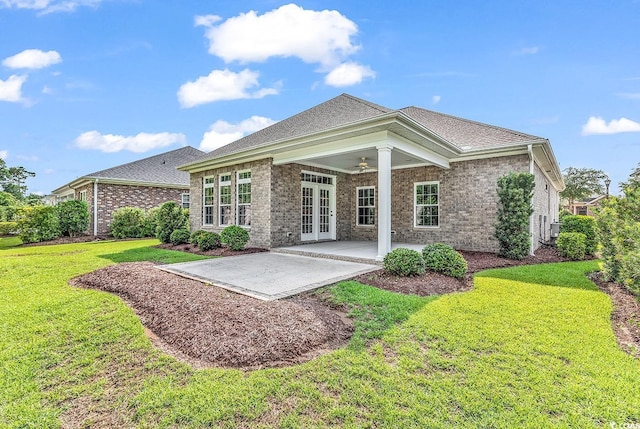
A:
[(337, 147), (107, 181), (549, 157), (520, 149), (418, 151)]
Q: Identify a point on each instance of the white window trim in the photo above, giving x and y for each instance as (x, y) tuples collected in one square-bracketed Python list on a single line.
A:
[(82, 196), (239, 182), (415, 205), (375, 196), (220, 205), (182, 200), (205, 186)]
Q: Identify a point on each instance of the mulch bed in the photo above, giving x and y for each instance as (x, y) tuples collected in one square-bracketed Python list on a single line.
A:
[(209, 326), (221, 251)]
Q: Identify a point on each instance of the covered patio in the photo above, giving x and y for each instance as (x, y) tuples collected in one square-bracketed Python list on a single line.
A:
[(354, 251)]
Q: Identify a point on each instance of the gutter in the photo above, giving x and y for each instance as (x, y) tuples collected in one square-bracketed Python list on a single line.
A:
[(531, 217), (95, 208)]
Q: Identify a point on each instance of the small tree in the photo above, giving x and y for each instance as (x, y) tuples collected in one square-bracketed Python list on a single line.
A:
[(581, 183), (169, 218), (73, 217), (515, 191)]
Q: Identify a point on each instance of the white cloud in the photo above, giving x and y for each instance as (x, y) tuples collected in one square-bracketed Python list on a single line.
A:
[(531, 50), (47, 90), (142, 142), (435, 99), (27, 157), (348, 74), (32, 59), (222, 132), (322, 37), (11, 89), (4, 154), (630, 95), (49, 6), (222, 85), (597, 125)]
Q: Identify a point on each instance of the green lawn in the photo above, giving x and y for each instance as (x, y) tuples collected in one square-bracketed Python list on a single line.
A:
[(528, 347)]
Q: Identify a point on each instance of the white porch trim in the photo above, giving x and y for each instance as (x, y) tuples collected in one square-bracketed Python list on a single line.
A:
[(384, 200)]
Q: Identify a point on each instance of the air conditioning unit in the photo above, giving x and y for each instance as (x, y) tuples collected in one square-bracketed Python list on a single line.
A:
[(555, 230)]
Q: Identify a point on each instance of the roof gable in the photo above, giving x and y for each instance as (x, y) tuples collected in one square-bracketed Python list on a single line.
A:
[(341, 110), (160, 169)]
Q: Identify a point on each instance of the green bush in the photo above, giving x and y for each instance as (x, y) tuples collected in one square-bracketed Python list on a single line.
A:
[(195, 237), (404, 262), (38, 223), (572, 245), (564, 213), (179, 236), (74, 217), (208, 241), (235, 237), (442, 258), (512, 229), (585, 225), (150, 222), (8, 213), (127, 222), (7, 228), (169, 217), (630, 271)]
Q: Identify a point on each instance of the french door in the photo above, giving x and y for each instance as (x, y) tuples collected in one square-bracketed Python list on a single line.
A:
[(318, 212)]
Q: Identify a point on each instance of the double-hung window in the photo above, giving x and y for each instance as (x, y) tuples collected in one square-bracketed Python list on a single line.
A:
[(366, 206), (243, 211), (207, 204), (426, 204), (185, 200), (82, 196), (224, 200)]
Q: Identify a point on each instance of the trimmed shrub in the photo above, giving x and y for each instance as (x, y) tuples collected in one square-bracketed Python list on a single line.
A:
[(572, 245), (512, 229), (8, 228), (8, 213), (208, 241), (150, 222), (235, 237), (170, 217), (127, 222), (564, 213), (179, 236), (38, 223), (442, 258), (74, 217), (195, 237), (404, 262), (585, 225)]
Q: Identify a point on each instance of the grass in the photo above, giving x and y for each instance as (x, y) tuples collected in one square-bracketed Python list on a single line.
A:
[(528, 347)]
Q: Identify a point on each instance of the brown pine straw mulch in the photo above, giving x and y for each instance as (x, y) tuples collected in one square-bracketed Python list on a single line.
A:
[(207, 326)]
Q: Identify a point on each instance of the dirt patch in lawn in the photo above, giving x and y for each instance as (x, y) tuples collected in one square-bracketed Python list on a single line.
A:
[(432, 283), (626, 314), (209, 326)]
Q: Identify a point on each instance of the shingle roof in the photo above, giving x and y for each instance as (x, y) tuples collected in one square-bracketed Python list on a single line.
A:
[(464, 133), (160, 169), (341, 110), (346, 109)]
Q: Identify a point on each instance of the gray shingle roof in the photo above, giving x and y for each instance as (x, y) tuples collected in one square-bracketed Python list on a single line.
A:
[(341, 110), (464, 133), (160, 169)]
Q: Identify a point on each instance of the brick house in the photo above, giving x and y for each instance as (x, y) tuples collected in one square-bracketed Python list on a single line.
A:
[(145, 183), (351, 170)]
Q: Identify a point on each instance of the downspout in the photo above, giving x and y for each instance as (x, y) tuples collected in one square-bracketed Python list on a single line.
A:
[(95, 208), (531, 229)]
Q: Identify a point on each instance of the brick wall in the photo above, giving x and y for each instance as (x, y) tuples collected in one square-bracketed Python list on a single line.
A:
[(260, 230), (112, 197), (545, 207)]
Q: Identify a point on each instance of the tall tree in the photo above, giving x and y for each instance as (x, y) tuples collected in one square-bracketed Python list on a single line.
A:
[(13, 179), (634, 179), (582, 183)]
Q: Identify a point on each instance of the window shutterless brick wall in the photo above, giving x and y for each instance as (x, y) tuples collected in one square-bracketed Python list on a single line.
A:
[(467, 195), (113, 197)]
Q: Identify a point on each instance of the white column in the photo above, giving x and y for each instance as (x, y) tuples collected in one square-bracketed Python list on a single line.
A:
[(95, 208), (384, 201)]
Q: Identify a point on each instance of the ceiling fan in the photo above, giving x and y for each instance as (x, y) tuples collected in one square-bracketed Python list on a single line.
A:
[(363, 164)]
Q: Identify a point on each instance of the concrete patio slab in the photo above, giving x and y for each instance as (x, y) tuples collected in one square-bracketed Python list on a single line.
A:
[(269, 276), (356, 251)]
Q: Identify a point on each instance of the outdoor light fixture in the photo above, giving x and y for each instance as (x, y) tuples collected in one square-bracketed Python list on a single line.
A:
[(607, 182)]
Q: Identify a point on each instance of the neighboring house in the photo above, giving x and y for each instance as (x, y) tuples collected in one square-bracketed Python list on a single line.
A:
[(585, 207), (348, 169), (146, 183)]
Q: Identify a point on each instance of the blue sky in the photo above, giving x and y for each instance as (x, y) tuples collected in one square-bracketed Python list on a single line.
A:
[(90, 84)]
